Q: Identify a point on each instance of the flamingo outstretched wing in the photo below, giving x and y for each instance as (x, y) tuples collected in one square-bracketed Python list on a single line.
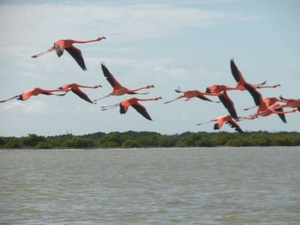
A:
[(82, 95), (236, 73), (228, 104), (235, 125), (281, 116), (58, 50), (255, 94), (142, 110), (76, 54), (203, 98), (110, 78)]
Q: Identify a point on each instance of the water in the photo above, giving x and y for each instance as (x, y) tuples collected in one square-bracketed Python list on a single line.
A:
[(154, 186)]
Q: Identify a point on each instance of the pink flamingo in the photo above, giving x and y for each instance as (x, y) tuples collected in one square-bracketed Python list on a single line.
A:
[(67, 44), (124, 105), (118, 89)]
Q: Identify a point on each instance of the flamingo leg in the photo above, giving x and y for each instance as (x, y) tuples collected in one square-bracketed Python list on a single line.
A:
[(250, 107), (204, 122), (101, 98), (181, 96), (134, 93), (9, 99), (42, 53), (109, 107)]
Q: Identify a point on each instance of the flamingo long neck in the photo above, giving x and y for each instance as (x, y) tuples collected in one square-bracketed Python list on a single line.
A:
[(137, 89), (147, 99), (84, 86), (181, 96), (87, 41), (265, 86)]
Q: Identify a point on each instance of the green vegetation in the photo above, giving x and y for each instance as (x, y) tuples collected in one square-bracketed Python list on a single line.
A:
[(132, 139)]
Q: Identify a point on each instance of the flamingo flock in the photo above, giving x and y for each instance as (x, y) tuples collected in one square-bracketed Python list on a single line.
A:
[(265, 106)]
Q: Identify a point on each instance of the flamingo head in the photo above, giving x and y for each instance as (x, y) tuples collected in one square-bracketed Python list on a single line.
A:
[(150, 86), (157, 98)]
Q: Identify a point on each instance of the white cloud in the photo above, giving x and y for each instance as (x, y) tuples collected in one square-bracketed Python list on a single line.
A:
[(119, 21), (26, 108)]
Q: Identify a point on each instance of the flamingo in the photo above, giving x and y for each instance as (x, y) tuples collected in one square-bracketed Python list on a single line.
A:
[(67, 44), (34, 92), (191, 94), (118, 89), (291, 102), (268, 101), (263, 109), (237, 75), (227, 119), (134, 103), (75, 89)]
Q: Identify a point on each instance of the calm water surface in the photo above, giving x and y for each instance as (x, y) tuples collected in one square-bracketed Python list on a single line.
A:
[(153, 186)]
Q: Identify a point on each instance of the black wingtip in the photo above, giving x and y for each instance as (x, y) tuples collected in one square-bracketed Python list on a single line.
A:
[(216, 126)]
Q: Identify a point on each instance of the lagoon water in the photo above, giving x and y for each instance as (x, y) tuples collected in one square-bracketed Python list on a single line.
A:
[(151, 186)]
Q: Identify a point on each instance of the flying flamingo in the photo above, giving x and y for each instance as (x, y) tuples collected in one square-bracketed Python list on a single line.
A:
[(67, 44), (263, 109), (75, 89), (227, 119), (268, 101), (191, 94), (34, 92), (237, 75), (134, 103), (118, 89), (291, 102)]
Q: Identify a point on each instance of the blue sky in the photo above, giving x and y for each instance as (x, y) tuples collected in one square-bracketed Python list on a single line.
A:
[(169, 44)]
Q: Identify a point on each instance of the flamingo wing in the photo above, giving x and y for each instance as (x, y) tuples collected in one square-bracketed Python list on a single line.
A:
[(281, 116), (299, 108), (110, 78), (203, 98), (218, 124), (233, 124), (228, 104), (76, 54), (48, 93), (142, 110), (58, 50), (81, 95), (236, 73), (255, 94)]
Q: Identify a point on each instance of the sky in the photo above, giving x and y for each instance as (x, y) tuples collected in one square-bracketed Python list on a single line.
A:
[(169, 44)]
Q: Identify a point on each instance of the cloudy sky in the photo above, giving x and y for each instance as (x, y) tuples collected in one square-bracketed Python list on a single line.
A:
[(169, 44)]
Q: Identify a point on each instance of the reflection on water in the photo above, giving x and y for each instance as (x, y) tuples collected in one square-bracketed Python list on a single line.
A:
[(154, 186)]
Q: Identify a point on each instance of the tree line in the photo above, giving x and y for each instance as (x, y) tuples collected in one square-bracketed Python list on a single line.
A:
[(144, 139)]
